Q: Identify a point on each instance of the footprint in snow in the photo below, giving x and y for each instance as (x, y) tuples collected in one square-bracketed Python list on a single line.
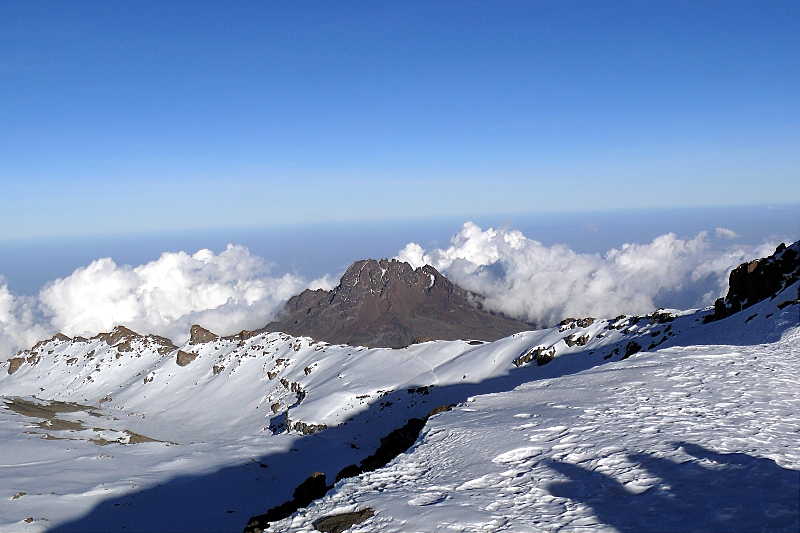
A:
[(518, 455), (483, 482), (428, 498)]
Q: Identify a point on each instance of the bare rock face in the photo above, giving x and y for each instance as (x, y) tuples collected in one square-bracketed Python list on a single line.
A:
[(339, 523), (390, 304), (15, 364), (121, 338), (752, 282), (184, 358), (306, 492), (200, 335)]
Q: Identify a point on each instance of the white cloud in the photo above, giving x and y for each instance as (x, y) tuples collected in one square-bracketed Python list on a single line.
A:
[(234, 289), (18, 324), (725, 233), (521, 277), (225, 293), (413, 254), (326, 283)]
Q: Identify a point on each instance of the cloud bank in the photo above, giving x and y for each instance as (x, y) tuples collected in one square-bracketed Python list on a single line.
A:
[(18, 322), (226, 293), (524, 279), (234, 290)]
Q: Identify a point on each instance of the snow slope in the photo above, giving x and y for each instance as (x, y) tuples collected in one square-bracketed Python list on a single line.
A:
[(700, 438), (142, 443)]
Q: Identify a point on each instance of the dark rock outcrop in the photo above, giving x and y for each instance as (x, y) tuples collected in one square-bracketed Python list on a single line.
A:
[(392, 445), (388, 303), (631, 348), (338, 523), (184, 358), (200, 335), (752, 282), (540, 354), (14, 364), (306, 492)]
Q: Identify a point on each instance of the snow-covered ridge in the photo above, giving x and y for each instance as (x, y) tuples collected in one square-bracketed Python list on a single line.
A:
[(262, 376), (122, 368), (227, 401)]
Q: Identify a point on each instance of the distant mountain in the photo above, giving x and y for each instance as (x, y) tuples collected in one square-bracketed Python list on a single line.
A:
[(390, 304)]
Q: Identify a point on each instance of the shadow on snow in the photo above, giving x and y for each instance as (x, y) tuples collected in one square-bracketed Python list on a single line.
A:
[(194, 503), (712, 492), (743, 493)]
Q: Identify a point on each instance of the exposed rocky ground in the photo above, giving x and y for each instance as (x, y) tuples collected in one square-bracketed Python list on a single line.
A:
[(390, 304), (752, 282)]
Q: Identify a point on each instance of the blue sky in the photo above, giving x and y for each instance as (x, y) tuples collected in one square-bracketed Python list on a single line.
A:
[(136, 116)]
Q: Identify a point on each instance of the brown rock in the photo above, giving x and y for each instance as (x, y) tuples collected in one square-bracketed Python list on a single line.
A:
[(440, 409), (308, 429), (184, 358), (14, 364), (388, 303), (752, 282), (200, 335), (122, 338), (576, 340), (541, 354), (119, 333), (241, 336), (338, 523)]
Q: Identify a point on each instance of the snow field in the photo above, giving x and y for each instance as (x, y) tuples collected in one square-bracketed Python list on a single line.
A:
[(691, 438), (565, 449)]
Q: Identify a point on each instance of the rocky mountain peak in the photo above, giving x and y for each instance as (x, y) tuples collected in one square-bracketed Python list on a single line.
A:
[(389, 303), (396, 284)]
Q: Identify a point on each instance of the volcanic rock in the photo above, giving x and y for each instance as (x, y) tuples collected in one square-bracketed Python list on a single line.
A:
[(338, 523), (184, 358), (390, 304), (752, 282), (200, 335), (309, 490), (15, 363)]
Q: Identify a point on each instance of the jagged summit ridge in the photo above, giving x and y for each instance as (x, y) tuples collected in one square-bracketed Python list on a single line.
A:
[(389, 303)]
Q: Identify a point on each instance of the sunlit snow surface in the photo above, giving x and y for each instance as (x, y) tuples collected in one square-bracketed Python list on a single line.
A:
[(699, 435), (703, 438)]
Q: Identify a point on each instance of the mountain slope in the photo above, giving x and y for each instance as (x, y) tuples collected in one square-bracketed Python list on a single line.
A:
[(391, 304), (126, 430), (683, 439)]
